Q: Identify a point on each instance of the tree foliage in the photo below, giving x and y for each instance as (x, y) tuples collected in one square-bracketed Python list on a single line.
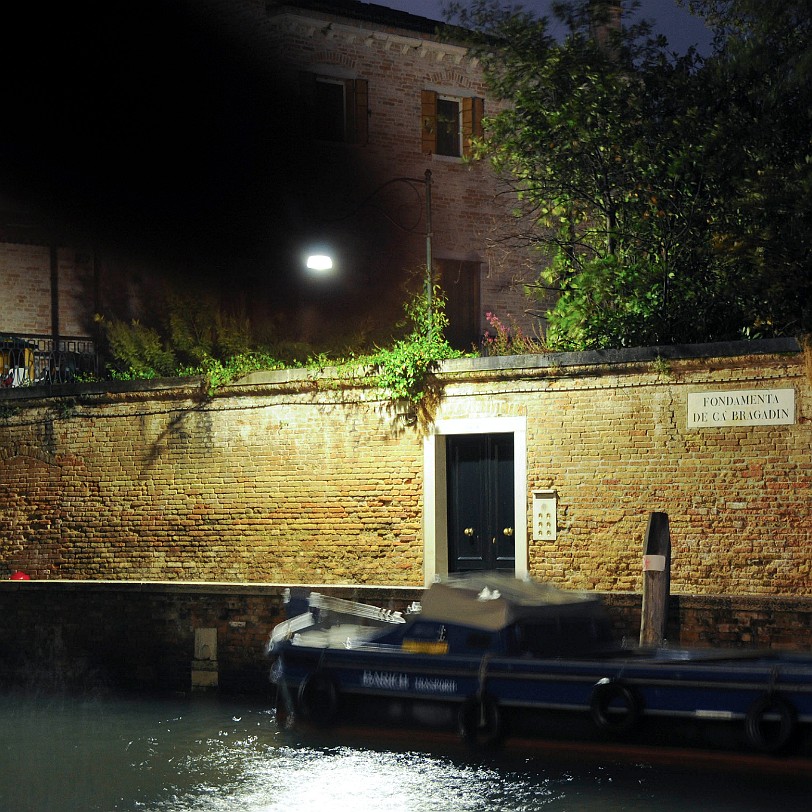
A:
[(760, 142), (650, 187), (188, 330)]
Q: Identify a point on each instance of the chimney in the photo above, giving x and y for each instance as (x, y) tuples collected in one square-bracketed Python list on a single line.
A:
[(606, 17)]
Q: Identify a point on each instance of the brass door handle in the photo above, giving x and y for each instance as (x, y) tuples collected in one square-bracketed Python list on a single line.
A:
[(508, 531), (469, 531)]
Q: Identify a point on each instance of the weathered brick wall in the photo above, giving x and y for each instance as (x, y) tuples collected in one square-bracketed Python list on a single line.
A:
[(470, 218), (284, 479), (25, 271), (384, 237), (613, 441), (98, 637), (157, 485)]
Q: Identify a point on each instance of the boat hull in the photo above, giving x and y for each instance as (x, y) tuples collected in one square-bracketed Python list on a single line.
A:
[(703, 697)]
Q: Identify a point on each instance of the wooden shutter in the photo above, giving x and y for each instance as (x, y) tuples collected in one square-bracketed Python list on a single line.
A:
[(307, 92), (472, 112), (428, 121), (357, 112)]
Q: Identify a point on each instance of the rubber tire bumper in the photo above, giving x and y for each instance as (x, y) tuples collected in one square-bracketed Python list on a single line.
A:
[(770, 723), (318, 698), (479, 722), (609, 694)]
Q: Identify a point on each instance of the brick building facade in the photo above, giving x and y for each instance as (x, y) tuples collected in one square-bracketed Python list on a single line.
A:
[(411, 100), (376, 98)]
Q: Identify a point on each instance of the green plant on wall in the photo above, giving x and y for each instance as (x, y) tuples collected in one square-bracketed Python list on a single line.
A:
[(217, 373), (196, 341), (138, 351), (404, 370)]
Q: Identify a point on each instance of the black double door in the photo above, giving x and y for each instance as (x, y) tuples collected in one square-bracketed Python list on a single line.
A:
[(481, 516)]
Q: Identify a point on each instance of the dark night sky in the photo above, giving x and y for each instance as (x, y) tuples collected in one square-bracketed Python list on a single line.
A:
[(680, 27)]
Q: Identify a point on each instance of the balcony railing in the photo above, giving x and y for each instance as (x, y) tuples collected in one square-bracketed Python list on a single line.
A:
[(27, 359)]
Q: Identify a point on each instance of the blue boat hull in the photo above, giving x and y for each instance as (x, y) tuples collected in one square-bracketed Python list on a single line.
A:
[(763, 701)]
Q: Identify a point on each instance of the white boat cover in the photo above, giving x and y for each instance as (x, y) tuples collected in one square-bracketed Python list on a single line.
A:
[(493, 600)]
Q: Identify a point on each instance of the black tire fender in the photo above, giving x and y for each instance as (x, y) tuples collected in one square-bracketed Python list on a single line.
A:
[(318, 698), (479, 721), (615, 706), (770, 723)]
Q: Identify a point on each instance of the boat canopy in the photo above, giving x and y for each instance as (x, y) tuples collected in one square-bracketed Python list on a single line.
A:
[(491, 601)]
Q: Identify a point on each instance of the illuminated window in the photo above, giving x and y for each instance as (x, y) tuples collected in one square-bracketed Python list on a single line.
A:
[(449, 123)]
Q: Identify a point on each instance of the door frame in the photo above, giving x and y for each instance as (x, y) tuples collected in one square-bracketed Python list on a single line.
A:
[(435, 499)]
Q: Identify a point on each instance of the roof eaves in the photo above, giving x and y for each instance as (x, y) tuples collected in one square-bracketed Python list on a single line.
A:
[(363, 12)]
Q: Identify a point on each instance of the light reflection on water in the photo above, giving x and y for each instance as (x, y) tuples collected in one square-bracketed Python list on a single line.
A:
[(208, 755)]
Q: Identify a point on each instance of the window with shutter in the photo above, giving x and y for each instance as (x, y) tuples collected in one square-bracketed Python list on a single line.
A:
[(336, 108), (449, 123), (473, 108)]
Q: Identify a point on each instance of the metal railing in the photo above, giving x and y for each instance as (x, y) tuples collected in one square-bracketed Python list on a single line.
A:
[(27, 359)]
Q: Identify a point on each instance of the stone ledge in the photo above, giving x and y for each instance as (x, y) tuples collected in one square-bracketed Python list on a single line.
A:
[(367, 592), (727, 349), (363, 591)]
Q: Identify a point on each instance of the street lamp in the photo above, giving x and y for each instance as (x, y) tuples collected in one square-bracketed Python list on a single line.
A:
[(319, 262), (322, 262)]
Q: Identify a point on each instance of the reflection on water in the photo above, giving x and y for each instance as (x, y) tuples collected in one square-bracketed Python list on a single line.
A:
[(206, 755)]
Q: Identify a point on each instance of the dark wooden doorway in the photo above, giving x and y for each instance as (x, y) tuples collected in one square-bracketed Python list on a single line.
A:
[(481, 511)]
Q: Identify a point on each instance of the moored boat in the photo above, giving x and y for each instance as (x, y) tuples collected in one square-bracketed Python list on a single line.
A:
[(491, 656)]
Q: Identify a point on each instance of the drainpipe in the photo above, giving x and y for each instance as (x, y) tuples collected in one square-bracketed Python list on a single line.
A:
[(55, 298)]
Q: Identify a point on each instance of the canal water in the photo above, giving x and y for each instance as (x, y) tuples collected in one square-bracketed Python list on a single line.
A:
[(203, 754)]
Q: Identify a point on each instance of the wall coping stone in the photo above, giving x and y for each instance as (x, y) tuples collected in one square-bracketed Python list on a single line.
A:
[(194, 386), (200, 587), (675, 352)]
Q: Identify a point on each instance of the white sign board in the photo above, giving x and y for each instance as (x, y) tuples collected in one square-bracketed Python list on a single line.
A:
[(741, 407), (653, 563)]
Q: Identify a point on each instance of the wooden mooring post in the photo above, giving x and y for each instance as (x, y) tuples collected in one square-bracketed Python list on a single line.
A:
[(656, 580)]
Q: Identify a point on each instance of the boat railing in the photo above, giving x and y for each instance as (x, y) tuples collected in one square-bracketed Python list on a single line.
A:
[(321, 610), (354, 608)]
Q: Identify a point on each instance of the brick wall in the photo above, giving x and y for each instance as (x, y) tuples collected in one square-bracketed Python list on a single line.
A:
[(470, 218), (295, 477), (379, 241), (98, 637), (156, 484), (613, 441)]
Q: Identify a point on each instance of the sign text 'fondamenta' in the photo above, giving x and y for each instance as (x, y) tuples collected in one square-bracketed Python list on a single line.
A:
[(741, 407)]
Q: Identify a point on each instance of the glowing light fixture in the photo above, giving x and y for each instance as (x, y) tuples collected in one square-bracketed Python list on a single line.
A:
[(319, 262)]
